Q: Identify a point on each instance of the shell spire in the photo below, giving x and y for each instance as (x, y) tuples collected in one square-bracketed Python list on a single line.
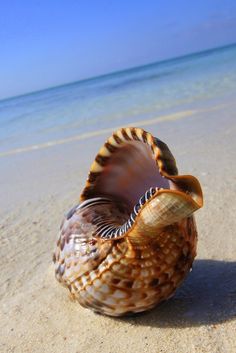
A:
[(132, 239)]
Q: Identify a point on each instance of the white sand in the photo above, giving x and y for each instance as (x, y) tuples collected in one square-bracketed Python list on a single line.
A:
[(37, 187)]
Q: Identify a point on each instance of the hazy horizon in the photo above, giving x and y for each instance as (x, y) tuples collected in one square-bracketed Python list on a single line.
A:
[(48, 44), (119, 71)]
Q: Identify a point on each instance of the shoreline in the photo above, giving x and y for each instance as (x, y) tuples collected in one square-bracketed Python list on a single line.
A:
[(172, 116)]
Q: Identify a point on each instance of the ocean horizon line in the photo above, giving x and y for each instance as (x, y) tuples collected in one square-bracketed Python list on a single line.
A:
[(114, 73)]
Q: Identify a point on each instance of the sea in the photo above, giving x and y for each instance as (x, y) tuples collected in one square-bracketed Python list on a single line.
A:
[(61, 113)]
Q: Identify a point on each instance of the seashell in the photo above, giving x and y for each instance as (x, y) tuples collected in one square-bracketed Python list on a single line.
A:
[(132, 239)]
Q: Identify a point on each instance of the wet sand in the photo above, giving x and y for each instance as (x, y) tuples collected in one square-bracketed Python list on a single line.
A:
[(39, 185)]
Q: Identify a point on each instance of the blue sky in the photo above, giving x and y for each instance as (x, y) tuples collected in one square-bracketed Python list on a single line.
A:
[(46, 43)]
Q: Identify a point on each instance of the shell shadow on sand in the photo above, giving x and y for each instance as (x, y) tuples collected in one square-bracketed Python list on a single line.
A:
[(207, 297)]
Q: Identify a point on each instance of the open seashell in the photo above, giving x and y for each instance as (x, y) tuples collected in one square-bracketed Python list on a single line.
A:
[(131, 241)]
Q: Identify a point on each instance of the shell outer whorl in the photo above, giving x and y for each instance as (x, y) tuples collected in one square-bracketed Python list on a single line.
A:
[(119, 277)]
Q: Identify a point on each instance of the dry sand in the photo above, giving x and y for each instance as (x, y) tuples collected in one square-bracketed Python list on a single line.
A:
[(37, 187)]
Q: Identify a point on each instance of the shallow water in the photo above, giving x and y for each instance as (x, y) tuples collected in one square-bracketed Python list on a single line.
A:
[(117, 99)]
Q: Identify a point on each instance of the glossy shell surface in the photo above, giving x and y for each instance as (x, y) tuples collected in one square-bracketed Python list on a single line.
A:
[(132, 239)]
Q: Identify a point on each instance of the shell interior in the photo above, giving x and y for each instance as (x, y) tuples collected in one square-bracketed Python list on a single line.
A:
[(129, 173)]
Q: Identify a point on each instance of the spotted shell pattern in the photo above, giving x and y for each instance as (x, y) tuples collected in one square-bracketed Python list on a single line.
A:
[(117, 256)]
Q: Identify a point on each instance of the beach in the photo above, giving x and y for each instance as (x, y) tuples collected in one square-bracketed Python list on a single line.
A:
[(42, 176), (40, 186)]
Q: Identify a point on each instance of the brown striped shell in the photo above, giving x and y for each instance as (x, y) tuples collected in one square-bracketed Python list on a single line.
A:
[(131, 241)]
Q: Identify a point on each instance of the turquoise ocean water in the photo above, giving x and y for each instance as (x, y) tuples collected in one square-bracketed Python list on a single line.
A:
[(117, 99)]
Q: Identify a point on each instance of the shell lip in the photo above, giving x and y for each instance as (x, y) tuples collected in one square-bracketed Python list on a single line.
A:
[(157, 163), (189, 186), (147, 153)]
